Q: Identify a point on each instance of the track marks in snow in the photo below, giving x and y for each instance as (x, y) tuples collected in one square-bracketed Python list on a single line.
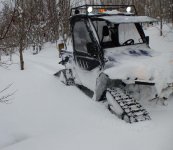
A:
[(9, 139)]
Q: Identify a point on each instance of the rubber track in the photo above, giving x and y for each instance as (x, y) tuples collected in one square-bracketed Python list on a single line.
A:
[(130, 106)]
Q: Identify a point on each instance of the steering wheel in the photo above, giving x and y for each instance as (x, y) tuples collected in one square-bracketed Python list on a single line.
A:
[(129, 42)]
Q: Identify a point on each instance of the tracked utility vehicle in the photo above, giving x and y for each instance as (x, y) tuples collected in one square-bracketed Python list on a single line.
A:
[(112, 59)]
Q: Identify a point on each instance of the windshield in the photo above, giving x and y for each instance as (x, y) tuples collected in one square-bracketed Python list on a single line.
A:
[(128, 31), (116, 35)]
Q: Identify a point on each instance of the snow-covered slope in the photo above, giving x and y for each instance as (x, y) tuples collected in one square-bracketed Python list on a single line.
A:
[(44, 114)]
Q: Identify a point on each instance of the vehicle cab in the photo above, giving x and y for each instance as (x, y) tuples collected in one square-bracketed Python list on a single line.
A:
[(93, 33), (111, 58)]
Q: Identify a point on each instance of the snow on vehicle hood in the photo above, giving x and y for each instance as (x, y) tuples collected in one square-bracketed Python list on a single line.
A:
[(139, 63)]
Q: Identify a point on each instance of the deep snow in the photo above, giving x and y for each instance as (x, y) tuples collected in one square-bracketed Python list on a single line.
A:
[(44, 114)]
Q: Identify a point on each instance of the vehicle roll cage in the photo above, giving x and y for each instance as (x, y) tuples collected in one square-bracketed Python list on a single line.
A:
[(96, 8)]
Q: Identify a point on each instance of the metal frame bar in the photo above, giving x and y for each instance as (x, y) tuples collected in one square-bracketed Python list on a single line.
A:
[(145, 83), (102, 7)]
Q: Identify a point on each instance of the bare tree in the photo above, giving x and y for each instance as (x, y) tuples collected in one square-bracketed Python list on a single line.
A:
[(161, 17), (33, 22), (171, 4)]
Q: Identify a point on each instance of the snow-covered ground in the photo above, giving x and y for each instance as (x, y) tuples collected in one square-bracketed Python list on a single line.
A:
[(44, 114)]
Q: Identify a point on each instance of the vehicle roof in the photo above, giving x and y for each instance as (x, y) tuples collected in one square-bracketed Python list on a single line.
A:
[(117, 19), (128, 19)]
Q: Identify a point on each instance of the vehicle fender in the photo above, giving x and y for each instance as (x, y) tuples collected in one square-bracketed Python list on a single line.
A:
[(101, 86), (102, 83)]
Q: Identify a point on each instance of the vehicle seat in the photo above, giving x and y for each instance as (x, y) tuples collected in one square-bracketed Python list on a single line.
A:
[(106, 40), (105, 34)]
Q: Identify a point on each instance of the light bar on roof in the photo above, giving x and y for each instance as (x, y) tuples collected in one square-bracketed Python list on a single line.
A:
[(128, 9), (90, 9)]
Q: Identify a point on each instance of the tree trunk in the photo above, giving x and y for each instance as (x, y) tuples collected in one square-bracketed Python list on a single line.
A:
[(11, 53), (161, 26), (161, 18), (0, 54), (21, 44), (172, 12), (21, 55)]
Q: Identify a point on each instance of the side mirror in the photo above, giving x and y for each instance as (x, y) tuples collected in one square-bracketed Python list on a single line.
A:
[(147, 38), (92, 49)]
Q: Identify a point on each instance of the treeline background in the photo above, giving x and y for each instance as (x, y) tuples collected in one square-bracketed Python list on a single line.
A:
[(24, 23)]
